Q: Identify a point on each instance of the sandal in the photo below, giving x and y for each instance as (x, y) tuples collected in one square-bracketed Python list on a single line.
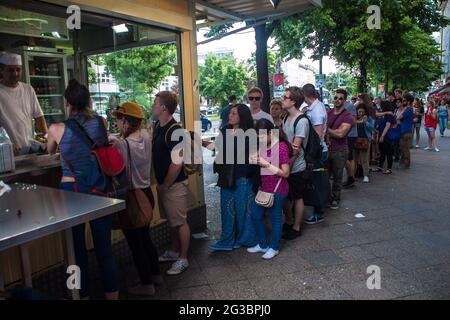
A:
[(377, 170), (388, 171)]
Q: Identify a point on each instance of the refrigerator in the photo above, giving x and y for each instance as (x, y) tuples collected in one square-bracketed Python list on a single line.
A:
[(45, 69)]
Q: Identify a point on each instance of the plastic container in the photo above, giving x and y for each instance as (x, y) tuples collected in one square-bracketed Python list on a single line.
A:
[(7, 162)]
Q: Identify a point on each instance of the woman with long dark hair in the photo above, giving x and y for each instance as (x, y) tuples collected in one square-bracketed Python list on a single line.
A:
[(76, 158), (274, 161), (135, 146), (237, 181), (385, 123)]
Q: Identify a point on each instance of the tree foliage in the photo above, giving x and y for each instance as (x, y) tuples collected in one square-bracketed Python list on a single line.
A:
[(141, 70), (403, 50), (222, 77)]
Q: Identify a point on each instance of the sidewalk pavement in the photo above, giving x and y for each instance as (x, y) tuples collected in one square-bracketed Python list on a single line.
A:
[(405, 232)]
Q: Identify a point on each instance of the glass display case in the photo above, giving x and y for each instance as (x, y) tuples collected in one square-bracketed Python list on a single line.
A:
[(45, 69)]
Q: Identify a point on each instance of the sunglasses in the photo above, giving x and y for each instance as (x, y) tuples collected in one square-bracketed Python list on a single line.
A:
[(286, 98), (338, 98), (254, 98), (119, 116)]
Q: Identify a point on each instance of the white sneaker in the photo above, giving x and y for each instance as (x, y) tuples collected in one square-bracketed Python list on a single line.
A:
[(427, 148), (436, 149), (417, 146), (257, 249), (168, 256), (270, 254), (178, 267), (366, 179)]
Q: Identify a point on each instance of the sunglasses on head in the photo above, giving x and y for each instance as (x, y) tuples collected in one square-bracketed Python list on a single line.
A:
[(254, 98), (339, 98)]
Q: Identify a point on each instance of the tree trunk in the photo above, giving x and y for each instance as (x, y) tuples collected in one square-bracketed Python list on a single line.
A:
[(262, 66), (362, 79)]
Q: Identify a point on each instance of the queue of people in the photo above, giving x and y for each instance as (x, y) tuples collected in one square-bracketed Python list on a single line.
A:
[(352, 136), (297, 142)]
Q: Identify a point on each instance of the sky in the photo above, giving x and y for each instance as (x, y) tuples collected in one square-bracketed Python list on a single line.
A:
[(243, 44)]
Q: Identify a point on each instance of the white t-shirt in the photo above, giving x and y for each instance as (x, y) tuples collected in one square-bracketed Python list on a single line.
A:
[(300, 131), (18, 106), (317, 114), (262, 115)]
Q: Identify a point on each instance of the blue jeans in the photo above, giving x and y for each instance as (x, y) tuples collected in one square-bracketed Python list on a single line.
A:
[(443, 124), (101, 235), (237, 225), (275, 215)]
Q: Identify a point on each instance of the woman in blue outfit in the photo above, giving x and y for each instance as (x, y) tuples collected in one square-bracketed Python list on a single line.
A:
[(443, 116), (76, 159), (237, 182)]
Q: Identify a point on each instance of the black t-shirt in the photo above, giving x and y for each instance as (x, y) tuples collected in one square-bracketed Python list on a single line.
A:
[(162, 149)]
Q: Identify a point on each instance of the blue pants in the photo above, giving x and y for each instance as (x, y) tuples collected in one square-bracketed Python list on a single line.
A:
[(101, 235), (237, 225), (442, 124), (275, 215)]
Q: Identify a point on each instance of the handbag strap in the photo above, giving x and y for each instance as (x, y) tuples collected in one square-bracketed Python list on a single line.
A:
[(278, 184), (129, 173)]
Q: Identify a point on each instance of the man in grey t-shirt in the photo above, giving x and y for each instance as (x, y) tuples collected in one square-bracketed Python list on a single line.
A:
[(297, 132)]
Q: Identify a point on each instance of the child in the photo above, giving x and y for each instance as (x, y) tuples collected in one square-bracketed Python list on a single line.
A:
[(273, 179)]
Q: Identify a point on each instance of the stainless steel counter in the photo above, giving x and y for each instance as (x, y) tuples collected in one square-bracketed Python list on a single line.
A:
[(44, 211), (31, 165)]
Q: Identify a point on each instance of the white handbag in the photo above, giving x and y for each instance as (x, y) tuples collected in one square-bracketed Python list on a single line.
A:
[(266, 199)]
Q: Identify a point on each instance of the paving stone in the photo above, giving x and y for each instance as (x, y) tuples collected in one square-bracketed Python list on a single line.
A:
[(189, 278), (277, 288), (237, 290), (354, 254), (382, 249), (323, 258), (316, 286), (193, 293), (223, 274)]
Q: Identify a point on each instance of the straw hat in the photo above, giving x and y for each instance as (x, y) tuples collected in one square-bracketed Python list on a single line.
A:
[(131, 109)]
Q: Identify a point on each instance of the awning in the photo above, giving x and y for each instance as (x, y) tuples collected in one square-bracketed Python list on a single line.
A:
[(211, 12)]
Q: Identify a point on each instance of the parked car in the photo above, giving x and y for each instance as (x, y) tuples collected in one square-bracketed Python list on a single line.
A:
[(206, 123)]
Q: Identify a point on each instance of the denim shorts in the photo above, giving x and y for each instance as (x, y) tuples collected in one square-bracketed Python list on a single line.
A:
[(430, 129)]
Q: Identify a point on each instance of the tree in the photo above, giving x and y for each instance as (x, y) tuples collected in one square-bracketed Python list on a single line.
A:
[(341, 79), (141, 70), (340, 29), (262, 34), (222, 77)]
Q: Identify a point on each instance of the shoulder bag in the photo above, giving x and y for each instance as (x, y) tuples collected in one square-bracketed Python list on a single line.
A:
[(266, 199), (139, 211)]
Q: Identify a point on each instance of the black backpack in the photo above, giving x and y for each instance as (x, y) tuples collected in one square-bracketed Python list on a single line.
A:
[(313, 150)]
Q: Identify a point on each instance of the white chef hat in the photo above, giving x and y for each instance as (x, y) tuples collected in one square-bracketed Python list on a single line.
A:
[(11, 59)]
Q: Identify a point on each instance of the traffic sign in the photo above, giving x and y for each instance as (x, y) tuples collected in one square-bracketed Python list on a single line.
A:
[(320, 81)]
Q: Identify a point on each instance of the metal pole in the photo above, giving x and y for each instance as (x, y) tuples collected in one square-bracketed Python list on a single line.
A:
[(320, 73)]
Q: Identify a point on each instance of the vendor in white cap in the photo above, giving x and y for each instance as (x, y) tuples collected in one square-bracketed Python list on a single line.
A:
[(18, 103)]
